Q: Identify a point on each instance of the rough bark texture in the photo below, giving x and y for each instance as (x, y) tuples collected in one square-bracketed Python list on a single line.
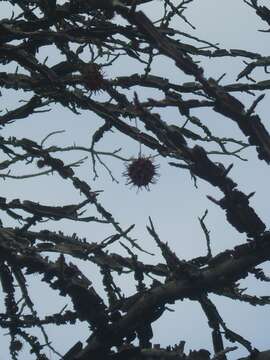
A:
[(82, 30)]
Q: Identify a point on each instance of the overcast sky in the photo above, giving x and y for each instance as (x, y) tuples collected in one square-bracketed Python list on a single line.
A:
[(174, 204)]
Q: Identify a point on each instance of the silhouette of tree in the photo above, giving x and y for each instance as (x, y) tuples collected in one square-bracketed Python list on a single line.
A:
[(90, 37)]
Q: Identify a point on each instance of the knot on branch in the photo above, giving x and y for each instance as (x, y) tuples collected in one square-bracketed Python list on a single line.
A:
[(240, 214)]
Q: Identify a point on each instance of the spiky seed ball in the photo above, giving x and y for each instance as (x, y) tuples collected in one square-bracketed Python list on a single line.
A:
[(141, 172), (16, 345), (40, 163), (93, 77)]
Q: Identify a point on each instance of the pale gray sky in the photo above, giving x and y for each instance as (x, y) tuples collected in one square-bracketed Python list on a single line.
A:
[(173, 203)]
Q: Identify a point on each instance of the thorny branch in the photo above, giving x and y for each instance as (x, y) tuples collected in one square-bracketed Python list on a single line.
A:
[(91, 37)]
